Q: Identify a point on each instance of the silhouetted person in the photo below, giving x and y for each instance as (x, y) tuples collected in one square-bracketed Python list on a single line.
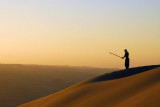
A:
[(127, 58)]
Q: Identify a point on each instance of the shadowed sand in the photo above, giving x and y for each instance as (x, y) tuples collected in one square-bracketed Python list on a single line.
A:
[(20, 84), (136, 87)]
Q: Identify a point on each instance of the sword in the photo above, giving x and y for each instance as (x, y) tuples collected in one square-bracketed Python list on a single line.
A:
[(115, 55)]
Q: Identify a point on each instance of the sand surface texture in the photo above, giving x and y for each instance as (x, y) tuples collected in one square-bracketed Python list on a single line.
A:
[(20, 84), (136, 87)]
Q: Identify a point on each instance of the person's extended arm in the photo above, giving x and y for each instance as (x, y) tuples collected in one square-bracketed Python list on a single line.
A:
[(124, 56)]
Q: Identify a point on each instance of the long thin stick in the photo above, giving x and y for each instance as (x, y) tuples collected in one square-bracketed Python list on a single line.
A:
[(115, 54)]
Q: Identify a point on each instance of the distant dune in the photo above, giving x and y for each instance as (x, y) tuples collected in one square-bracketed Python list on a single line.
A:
[(20, 84), (136, 87)]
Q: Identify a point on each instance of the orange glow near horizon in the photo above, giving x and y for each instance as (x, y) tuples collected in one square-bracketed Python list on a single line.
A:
[(64, 33)]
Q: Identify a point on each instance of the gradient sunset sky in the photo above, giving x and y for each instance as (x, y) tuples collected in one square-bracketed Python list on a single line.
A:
[(79, 32)]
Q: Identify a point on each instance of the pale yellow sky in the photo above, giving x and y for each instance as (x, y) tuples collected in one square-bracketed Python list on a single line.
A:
[(79, 33)]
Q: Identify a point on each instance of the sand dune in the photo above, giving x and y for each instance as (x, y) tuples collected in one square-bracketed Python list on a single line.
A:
[(136, 87), (20, 84)]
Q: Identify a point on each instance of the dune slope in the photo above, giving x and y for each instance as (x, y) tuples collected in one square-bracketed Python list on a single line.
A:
[(20, 84), (136, 87)]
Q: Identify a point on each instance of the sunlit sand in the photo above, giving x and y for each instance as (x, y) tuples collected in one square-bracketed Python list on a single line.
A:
[(136, 87), (20, 84)]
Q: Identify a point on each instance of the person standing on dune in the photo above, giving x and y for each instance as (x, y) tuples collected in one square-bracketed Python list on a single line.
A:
[(127, 58)]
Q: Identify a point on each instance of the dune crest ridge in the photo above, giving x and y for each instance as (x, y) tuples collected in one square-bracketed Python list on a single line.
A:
[(136, 87)]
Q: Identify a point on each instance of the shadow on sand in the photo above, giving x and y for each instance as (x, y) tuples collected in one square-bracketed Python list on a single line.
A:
[(124, 73)]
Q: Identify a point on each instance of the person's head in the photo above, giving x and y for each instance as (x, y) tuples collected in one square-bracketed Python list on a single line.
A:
[(125, 50)]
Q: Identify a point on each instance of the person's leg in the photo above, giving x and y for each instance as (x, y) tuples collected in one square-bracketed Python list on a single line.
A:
[(127, 63), (126, 67)]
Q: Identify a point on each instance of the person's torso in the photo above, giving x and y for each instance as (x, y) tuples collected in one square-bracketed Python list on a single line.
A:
[(127, 55)]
